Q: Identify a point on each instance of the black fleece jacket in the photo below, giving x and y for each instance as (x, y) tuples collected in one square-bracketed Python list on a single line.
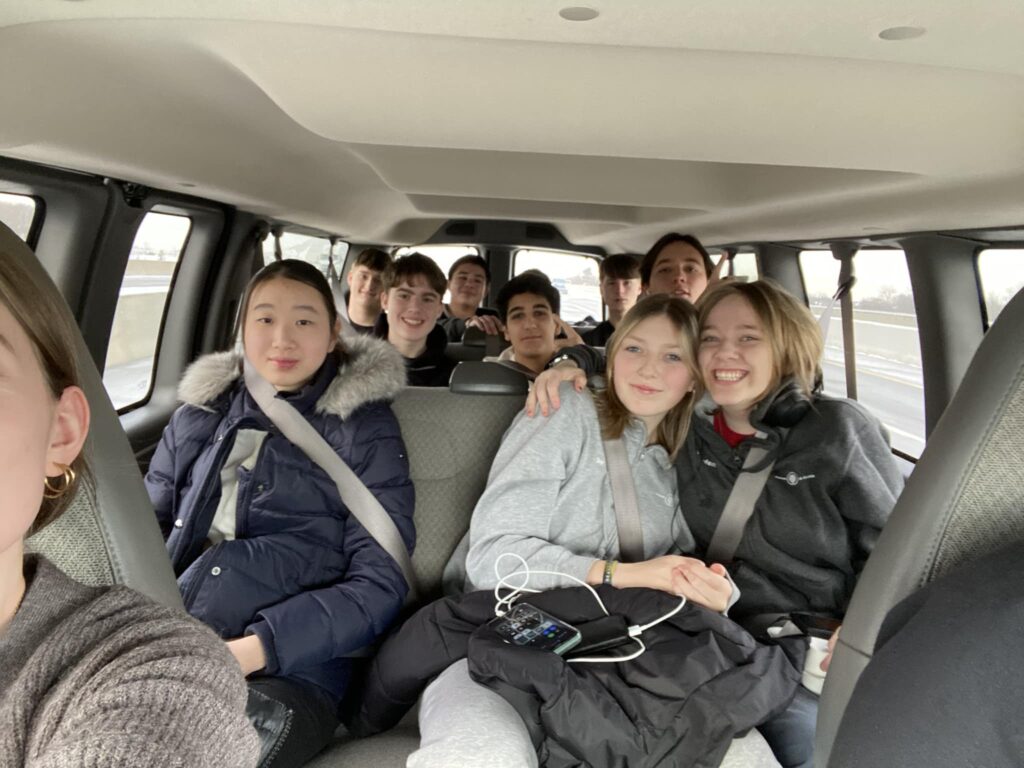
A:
[(433, 368), (831, 490)]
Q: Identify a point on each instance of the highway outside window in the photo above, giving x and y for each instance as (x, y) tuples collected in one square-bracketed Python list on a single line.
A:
[(574, 275), (744, 265), (128, 372), (1001, 272), (309, 248), (886, 341), (17, 212)]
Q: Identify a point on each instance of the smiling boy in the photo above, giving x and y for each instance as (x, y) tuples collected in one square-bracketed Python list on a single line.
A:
[(413, 288), (528, 306), (363, 298)]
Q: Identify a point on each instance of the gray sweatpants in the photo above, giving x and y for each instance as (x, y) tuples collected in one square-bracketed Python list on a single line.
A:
[(465, 725)]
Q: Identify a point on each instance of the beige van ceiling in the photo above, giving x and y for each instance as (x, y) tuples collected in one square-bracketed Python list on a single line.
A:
[(734, 119)]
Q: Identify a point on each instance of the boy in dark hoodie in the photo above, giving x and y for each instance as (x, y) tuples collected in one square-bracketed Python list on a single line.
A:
[(411, 300)]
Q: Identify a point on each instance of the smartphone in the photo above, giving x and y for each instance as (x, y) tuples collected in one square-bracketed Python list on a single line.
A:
[(530, 627)]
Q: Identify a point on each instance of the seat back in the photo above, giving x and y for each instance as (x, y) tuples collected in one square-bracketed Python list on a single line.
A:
[(962, 501), (451, 439), (109, 534)]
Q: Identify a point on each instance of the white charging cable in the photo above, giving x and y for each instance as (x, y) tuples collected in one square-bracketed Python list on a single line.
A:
[(503, 604)]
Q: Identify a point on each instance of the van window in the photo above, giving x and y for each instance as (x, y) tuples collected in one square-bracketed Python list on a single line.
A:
[(17, 212), (308, 248), (575, 276), (821, 275), (1001, 273), (128, 372), (744, 265), (886, 343)]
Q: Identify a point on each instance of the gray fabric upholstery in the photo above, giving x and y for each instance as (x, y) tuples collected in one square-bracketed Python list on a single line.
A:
[(110, 536), (451, 440), (964, 499), (388, 749), (74, 542)]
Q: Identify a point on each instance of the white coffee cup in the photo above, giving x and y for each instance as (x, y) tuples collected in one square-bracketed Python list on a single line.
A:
[(814, 678)]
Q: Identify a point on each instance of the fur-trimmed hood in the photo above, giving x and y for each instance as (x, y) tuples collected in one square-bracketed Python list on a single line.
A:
[(370, 370)]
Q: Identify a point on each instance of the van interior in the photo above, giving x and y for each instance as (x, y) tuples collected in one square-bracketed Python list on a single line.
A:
[(153, 157)]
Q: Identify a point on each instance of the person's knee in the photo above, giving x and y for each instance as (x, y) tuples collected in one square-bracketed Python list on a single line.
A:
[(464, 724)]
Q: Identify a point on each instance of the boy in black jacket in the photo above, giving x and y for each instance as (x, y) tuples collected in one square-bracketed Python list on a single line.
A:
[(413, 288)]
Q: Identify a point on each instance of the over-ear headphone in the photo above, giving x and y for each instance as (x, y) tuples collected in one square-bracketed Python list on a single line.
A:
[(785, 407)]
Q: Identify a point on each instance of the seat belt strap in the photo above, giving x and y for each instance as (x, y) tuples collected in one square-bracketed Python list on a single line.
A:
[(740, 506), (361, 503), (627, 509)]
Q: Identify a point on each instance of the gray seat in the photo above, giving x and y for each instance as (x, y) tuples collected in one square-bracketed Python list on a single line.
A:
[(451, 437), (963, 501), (109, 535)]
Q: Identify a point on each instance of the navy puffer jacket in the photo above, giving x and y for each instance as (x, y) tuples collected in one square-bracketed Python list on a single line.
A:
[(302, 573)]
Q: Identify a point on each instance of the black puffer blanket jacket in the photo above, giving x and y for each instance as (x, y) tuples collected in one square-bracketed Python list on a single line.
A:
[(702, 681)]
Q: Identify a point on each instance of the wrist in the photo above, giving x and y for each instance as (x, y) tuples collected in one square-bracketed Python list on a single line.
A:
[(562, 361), (608, 575)]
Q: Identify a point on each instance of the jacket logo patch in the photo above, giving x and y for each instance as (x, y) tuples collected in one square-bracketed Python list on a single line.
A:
[(792, 478), (709, 462)]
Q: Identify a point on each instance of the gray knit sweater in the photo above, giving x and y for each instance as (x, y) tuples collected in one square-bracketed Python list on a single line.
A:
[(548, 498), (105, 677)]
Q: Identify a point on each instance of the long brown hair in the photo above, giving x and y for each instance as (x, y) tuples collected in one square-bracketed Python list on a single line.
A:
[(789, 326), (51, 330), (613, 414)]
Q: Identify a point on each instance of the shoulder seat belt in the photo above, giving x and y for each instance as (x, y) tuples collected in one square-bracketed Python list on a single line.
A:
[(739, 506), (354, 493), (627, 509)]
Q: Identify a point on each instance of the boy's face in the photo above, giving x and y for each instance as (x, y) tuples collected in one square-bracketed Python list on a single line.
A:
[(530, 326), (365, 284), (413, 308), (468, 284), (620, 294), (678, 271)]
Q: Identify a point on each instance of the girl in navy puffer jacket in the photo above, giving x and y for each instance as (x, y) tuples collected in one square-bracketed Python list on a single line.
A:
[(264, 549)]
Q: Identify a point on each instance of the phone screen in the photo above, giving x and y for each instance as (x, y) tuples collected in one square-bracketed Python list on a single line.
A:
[(525, 625)]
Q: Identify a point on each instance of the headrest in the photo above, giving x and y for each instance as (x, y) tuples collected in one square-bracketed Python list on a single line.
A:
[(479, 378)]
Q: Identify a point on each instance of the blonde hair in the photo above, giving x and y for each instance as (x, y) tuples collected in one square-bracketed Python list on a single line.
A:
[(51, 330), (792, 331), (612, 413)]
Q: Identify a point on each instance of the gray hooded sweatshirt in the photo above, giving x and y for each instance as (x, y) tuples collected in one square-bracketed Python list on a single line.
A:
[(549, 501)]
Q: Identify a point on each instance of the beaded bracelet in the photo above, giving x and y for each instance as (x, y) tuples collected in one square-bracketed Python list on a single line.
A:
[(609, 571)]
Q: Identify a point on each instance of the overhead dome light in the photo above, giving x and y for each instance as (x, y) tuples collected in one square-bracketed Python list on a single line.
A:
[(901, 33), (578, 13)]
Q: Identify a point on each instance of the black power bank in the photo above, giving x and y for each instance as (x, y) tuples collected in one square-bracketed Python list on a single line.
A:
[(600, 635)]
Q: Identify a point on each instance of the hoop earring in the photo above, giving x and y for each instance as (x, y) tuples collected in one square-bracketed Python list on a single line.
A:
[(51, 492)]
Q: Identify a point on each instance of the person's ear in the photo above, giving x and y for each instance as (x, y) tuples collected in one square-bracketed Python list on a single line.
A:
[(348, 278), (384, 300), (68, 431), (504, 332)]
